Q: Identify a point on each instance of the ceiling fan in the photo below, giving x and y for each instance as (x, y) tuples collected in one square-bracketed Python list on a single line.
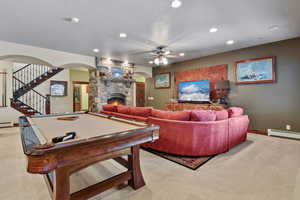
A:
[(160, 55)]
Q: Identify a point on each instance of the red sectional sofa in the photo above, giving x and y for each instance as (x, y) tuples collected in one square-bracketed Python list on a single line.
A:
[(190, 133)]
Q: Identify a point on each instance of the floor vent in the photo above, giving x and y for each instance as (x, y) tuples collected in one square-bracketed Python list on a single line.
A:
[(6, 124), (287, 134)]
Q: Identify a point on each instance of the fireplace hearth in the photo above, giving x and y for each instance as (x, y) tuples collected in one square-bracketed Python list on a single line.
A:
[(117, 99)]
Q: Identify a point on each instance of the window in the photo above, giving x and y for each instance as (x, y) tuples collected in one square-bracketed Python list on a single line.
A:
[(2, 89)]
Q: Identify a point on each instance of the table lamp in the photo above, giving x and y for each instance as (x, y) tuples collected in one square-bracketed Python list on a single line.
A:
[(222, 88)]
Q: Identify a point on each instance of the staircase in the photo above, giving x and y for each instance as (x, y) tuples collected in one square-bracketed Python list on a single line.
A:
[(25, 98)]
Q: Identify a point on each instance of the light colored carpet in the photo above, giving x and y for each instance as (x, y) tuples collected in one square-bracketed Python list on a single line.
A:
[(263, 168)]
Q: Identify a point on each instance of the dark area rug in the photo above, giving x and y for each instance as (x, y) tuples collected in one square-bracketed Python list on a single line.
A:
[(186, 161)]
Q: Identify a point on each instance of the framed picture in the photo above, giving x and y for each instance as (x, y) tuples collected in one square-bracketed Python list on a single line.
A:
[(259, 70), (162, 80), (58, 88)]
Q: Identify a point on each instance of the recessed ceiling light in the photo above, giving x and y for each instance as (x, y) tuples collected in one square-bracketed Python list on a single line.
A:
[(123, 35), (176, 4), (230, 42), (274, 28), (96, 50), (125, 62), (181, 54), (73, 20), (213, 30), (151, 62)]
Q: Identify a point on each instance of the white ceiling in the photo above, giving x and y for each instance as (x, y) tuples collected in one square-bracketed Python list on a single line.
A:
[(148, 23)]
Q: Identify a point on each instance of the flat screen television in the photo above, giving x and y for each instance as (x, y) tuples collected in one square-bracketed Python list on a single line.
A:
[(194, 91)]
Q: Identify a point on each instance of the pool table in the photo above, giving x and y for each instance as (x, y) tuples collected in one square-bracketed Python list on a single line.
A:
[(90, 138)]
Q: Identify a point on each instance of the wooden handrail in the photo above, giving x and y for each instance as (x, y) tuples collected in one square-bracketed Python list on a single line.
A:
[(31, 89), (21, 68)]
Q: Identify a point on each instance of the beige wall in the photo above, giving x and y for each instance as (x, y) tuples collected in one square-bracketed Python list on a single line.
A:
[(269, 105)]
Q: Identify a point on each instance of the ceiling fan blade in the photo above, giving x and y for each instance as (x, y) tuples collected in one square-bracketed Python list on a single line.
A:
[(172, 56)]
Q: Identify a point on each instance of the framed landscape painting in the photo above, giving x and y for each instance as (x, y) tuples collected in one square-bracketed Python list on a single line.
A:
[(162, 80), (58, 88), (259, 70)]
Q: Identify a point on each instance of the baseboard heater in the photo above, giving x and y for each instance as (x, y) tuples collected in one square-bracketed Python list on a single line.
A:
[(6, 124), (286, 134)]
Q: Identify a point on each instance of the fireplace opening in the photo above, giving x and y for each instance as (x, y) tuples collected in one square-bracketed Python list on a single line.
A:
[(117, 99)]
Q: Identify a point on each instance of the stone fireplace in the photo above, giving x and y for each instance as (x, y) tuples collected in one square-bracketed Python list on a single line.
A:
[(117, 99), (105, 88)]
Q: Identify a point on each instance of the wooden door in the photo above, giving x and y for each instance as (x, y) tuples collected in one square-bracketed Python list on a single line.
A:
[(77, 98), (140, 94)]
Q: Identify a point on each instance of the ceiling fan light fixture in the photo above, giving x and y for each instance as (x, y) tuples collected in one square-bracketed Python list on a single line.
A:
[(161, 61), (167, 52), (176, 4), (126, 63), (164, 61), (181, 54), (156, 61)]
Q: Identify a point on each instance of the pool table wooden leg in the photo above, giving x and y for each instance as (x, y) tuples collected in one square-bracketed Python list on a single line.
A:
[(137, 180), (61, 185)]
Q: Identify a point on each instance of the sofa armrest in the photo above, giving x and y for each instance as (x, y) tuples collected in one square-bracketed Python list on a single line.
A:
[(238, 127)]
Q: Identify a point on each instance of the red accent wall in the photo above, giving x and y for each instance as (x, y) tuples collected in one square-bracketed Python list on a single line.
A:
[(213, 73)]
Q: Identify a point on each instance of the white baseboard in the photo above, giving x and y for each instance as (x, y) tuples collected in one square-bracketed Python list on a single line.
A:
[(6, 124), (287, 134)]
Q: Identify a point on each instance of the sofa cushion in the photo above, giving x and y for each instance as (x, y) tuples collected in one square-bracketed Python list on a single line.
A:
[(140, 111), (178, 115), (107, 112), (235, 111), (123, 109), (109, 107), (139, 118), (131, 117), (222, 115), (203, 115)]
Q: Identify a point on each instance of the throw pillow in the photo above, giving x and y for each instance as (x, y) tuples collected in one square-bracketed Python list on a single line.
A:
[(222, 115), (203, 115), (177, 115), (235, 112)]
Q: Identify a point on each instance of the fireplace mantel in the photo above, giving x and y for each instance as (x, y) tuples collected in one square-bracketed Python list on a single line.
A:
[(108, 81)]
